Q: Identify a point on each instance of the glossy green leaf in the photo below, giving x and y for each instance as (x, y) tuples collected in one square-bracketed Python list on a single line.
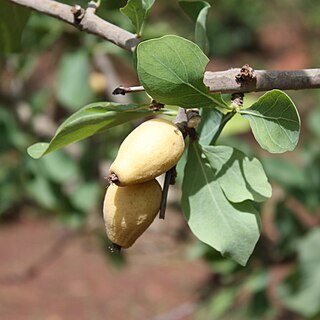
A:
[(73, 89), (198, 11), (13, 19), (232, 229), (241, 178), (171, 70), (304, 295), (93, 118), (137, 11), (274, 121)]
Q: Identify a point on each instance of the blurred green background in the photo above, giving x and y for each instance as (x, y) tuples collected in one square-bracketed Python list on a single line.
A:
[(61, 69)]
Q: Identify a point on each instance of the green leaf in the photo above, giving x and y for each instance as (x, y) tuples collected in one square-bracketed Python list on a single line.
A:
[(232, 229), (241, 178), (13, 19), (73, 89), (171, 70), (210, 122), (197, 11), (274, 121), (137, 11), (93, 118), (304, 296)]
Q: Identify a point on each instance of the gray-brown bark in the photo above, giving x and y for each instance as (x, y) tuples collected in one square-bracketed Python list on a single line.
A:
[(221, 81)]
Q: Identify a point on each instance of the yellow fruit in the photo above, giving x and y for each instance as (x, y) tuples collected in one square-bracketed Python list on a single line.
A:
[(128, 211), (148, 151)]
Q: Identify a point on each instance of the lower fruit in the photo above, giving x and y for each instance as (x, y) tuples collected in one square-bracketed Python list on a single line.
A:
[(128, 211)]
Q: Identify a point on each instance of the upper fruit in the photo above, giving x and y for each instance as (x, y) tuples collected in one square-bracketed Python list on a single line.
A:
[(151, 149)]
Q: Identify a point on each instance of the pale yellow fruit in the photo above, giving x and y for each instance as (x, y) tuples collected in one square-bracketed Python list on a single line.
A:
[(151, 149), (128, 211)]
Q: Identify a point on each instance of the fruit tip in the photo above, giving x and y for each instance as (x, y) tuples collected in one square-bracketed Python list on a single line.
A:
[(114, 248)]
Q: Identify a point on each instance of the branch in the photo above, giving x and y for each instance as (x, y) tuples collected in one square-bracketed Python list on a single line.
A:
[(221, 81), (263, 80), (89, 22)]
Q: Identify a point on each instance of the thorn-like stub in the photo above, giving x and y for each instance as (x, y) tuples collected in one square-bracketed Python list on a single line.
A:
[(78, 12), (237, 100), (113, 178), (155, 105), (193, 118), (120, 90), (114, 248), (246, 74)]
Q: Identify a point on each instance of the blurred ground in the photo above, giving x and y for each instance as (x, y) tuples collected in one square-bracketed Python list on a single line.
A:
[(75, 281)]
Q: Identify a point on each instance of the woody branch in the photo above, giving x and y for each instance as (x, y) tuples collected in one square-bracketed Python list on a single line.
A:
[(221, 81)]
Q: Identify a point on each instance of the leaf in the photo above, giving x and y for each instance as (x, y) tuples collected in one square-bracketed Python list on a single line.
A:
[(197, 11), (304, 297), (232, 229), (13, 19), (209, 126), (171, 70), (73, 89), (137, 11), (240, 177), (274, 121), (93, 118)]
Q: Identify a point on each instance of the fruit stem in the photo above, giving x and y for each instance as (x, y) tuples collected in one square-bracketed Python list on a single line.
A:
[(169, 179)]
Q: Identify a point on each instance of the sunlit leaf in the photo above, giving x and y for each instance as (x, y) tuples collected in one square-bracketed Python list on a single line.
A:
[(274, 121), (93, 118), (232, 229), (171, 70), (240, 177)]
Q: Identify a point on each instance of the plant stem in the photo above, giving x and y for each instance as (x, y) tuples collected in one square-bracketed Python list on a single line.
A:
[(224, 121)]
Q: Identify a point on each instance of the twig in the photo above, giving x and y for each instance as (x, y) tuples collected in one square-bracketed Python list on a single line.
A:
[(104, 64), (263, 80), (123, 90), (89, 22), (222, 81)]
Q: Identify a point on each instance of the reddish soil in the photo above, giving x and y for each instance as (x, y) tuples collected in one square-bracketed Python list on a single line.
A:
[(158, 281)]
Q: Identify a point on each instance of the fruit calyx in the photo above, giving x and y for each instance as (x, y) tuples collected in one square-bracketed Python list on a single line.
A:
[(113, 178)]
